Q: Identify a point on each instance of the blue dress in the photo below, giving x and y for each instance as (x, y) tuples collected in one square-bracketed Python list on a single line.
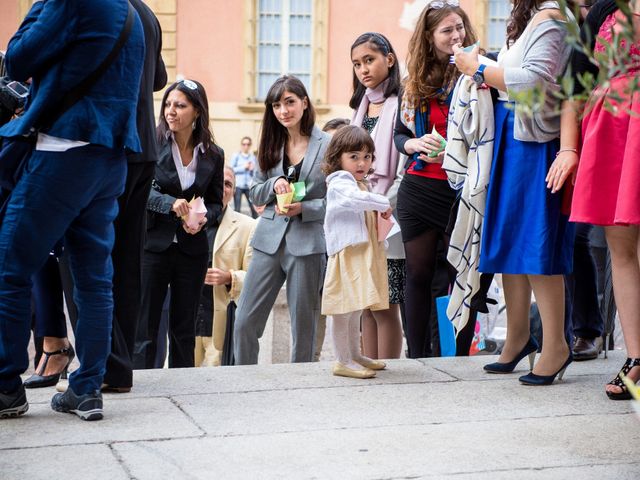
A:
[(524, 230)]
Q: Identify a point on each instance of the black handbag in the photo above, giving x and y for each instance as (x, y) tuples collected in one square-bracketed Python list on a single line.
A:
[(16, 151), (227, 348)]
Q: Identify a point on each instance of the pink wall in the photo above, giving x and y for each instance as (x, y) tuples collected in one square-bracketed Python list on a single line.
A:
[(9, 22), (210, 46)]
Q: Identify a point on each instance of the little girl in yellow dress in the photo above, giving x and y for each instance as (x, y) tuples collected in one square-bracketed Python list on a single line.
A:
[(356, 277)]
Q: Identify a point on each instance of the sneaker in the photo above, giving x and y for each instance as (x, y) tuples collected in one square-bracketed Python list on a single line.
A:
[(87, 406), (13, 404)]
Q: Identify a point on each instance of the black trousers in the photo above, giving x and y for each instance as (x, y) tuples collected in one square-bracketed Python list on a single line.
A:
[(582, 310), (185, 273), (130, 228)]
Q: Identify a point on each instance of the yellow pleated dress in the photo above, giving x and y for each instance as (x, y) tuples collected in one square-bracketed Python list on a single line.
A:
[(356, 277)]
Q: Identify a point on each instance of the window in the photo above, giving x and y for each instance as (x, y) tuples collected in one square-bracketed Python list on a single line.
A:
[(284, 42), (499, 11)]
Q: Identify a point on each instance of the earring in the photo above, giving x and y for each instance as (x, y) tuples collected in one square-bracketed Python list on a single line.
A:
[(193, 126)]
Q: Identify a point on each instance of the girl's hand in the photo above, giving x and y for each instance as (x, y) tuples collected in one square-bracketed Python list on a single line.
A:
[(387, 213), (562, 167), (215, 276), (437, 159), (467, 62), (426, 144), (181, 207), (281, 186), (293, 209)]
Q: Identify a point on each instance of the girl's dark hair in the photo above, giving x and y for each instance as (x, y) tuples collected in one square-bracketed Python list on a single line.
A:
[(429, 76), (273, 134), (198, 98), (521, 14), (350, 138), (379, 43), (335, 124)]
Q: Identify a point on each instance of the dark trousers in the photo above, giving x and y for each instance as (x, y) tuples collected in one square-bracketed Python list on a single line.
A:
[(71, 194), (48, 304), (237, 201), (130, 229), (584, 318), (185, 273)]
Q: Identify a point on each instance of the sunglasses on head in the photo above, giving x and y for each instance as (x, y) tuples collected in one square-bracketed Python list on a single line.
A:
[(191, 85), (438, 4)]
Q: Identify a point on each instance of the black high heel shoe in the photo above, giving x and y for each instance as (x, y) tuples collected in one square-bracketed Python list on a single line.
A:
[(626, 368), (38, 380), (533, 379), (530, 349)]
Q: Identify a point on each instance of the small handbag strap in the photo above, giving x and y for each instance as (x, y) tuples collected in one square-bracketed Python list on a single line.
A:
[(71, 98)]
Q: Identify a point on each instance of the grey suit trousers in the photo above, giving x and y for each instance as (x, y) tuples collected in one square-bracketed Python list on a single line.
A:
[(265, 277)]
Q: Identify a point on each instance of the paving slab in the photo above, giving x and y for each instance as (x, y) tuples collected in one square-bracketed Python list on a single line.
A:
[(388, 452), (94, 462), (384, 405), (124, 420)]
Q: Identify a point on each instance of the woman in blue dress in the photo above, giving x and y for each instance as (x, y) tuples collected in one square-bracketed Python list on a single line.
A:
[(526, 236)]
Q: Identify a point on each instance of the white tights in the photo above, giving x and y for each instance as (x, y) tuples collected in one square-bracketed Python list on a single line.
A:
[(345, 330)]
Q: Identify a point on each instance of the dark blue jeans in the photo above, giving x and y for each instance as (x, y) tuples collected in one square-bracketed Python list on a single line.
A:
[(71, 194)]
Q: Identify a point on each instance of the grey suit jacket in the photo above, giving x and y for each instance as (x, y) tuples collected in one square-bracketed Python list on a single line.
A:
[(304, 233)]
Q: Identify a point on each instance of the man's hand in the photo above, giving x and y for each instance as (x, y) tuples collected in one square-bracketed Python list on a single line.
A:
[(215, 276)]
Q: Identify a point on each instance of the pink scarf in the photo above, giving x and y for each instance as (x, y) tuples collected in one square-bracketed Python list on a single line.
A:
[(387, 156)]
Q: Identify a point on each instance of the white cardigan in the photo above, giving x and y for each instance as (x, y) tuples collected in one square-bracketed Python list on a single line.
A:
[(467, 161), (344, 223)]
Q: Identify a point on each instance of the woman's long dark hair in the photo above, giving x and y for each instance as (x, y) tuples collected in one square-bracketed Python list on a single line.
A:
[(198, 98), (378, 43), (273, 135), (520, 16)]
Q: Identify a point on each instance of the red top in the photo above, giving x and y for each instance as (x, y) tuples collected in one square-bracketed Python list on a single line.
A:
[(438, 117)]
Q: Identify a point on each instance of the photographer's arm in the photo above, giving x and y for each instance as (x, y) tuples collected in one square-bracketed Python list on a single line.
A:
[(44, 33)]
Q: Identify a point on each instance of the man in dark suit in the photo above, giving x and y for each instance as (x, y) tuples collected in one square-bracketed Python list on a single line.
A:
[(70, 187), (130, 223)]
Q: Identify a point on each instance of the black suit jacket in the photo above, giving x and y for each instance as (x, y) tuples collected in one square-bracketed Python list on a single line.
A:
[(154, 78), (162, 222)]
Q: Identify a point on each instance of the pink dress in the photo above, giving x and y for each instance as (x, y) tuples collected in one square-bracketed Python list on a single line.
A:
[(607, 190)]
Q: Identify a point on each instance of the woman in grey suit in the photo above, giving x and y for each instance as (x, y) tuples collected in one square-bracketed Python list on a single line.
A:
[(287, 245)]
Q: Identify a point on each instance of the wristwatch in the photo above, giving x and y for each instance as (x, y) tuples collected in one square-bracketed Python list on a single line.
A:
[(478, 77)]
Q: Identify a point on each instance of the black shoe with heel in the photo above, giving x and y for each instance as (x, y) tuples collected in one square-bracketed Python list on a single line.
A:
[(533, 379), (530, 349), (39, 380), (626, 368)]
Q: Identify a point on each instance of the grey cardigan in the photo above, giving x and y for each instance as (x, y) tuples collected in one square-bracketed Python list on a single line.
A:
[(303, 234), (546, 54)]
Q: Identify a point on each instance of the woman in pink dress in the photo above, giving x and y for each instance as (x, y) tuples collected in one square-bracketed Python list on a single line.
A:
[(607, 190)]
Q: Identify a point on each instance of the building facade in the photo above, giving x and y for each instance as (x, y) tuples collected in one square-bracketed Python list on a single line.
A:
[(236, 48)]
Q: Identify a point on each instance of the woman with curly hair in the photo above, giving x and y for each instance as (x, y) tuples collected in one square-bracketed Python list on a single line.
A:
[(424, 197), (526, 236)]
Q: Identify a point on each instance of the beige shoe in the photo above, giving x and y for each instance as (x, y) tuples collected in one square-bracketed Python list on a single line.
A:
[(341, 370), (372, 364), (62, 385)]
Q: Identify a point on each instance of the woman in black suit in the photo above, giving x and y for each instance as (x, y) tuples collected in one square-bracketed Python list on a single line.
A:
[(189, 165)]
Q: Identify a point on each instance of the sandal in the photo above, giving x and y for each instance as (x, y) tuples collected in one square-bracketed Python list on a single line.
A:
[(39, 379), (626, 368)]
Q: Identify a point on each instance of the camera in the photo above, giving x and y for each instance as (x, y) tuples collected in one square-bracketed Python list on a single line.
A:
[(13, 95)]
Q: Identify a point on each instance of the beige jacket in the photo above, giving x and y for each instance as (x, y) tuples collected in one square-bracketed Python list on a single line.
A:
[(231, 252)]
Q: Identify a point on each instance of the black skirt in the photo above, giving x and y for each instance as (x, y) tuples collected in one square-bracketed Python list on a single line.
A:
[(423, 204)]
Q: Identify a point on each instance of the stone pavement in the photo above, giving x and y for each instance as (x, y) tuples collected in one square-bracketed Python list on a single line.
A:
[(432, 418)]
